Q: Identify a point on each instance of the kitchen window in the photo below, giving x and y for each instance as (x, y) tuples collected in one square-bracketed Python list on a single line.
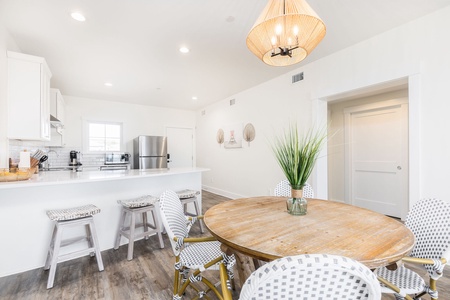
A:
[(103, 136)]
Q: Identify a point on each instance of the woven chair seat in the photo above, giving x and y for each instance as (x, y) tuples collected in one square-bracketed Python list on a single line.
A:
[(408, 281), (196, 255), (142, 201), (73, 213)]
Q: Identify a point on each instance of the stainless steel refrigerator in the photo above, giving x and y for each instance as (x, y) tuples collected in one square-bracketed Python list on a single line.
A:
[(150, 152)]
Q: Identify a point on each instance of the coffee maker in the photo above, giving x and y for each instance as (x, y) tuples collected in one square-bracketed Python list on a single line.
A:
[(75, 158)]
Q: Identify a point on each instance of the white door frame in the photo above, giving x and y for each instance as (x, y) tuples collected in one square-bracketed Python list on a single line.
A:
[(403, 103), (320, 111)]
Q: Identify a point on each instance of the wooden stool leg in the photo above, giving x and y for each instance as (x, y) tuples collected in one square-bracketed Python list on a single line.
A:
[(185, 207), (89, 238), (157, 222), (54, 259), (131, 239), (96, 245), (198, 212), (145, 223), (50, 249), (119, 231)]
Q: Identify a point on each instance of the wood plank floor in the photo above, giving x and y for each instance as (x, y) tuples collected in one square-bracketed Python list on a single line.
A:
[(148, 276)]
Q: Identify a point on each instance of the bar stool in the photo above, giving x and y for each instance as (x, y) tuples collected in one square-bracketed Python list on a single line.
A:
[(190, 196), (66, 218), (134, 207)]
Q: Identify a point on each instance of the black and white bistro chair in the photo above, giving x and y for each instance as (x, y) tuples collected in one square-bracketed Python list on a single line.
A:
[(283, 189), (429, 220), (193, 255), (312, 276)]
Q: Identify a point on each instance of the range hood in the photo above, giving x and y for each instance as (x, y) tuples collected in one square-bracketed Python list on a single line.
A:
[(54, 122)]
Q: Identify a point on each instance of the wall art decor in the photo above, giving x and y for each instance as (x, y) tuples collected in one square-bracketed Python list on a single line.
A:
[(220, 137), (249, 133), (233, 136)]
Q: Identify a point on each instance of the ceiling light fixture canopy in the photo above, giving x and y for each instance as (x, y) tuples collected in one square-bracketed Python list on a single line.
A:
[(286, 32)]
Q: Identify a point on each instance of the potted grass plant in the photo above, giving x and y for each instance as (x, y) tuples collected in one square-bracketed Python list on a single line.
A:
[(297, 154)]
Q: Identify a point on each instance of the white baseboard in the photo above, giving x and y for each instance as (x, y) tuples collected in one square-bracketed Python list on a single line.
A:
[(335, 200), (222, 192)]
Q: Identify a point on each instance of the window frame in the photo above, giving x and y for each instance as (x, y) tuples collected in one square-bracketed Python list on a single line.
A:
[(86, 135)]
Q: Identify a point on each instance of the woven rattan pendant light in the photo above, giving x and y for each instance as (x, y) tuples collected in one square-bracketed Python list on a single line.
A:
[(285, 32)]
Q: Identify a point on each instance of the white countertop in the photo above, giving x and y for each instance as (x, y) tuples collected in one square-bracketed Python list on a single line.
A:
[(69, 177)]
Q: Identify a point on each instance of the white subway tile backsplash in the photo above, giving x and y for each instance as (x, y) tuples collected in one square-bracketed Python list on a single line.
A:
[(57, 157)]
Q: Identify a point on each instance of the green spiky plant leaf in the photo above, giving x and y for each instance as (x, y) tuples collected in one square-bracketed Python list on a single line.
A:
[(297, 154)]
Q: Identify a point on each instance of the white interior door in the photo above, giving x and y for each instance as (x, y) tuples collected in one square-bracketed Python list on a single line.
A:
[(376, 157), (180, 146)]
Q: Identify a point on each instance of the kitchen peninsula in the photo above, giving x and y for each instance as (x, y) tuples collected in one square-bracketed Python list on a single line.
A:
[(27, 230)]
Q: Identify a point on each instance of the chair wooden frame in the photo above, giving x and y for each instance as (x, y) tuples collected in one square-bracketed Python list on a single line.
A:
[(429, 220), (186, 249), (418, 261), (179, 287)]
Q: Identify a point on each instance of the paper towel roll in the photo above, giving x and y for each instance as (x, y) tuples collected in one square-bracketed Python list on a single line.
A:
[(24, 159)]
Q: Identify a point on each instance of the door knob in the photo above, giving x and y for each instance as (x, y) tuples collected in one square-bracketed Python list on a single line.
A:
[(399, 167)]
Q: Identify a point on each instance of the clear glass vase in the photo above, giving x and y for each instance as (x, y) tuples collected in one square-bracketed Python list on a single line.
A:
[(296, 204)]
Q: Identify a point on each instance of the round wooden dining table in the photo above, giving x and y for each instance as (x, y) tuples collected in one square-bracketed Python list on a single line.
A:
[(261, 228)]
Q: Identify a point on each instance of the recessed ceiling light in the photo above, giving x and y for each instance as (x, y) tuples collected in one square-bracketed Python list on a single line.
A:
[(184, 50), (230, 19), (194, 98), (108, 84), (78, 16)]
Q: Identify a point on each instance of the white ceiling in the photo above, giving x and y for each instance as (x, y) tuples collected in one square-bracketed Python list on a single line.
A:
[(134, 43)]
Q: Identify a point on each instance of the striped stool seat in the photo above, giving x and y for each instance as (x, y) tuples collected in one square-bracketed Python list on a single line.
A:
[(138, 202), (190, 196), (184, 194), (134, 208), (68, 218), (73, 213)]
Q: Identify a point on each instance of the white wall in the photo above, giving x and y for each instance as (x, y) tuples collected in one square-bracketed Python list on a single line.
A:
[(136, 119), (416, 48), (6, 43)]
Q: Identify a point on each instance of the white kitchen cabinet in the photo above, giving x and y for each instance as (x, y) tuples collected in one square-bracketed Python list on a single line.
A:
[(28, 97), (57, 105)]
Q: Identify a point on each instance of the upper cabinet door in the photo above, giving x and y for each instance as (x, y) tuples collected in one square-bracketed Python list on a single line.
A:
[(28, 97)]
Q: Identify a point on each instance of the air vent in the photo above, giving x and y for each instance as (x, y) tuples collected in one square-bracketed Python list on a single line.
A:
[(297, 77), (232, 102), (203, 112)]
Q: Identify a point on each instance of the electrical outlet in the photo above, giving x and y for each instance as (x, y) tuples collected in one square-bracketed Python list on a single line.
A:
[(212, 179)]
